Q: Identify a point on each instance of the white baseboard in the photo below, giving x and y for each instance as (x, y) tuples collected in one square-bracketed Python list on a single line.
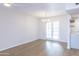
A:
[(17, 45), (54, 40)]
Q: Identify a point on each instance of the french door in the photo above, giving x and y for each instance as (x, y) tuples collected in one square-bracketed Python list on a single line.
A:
[(52, 30)]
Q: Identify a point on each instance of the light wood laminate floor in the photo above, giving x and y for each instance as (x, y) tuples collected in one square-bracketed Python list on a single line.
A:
[(41, 48)]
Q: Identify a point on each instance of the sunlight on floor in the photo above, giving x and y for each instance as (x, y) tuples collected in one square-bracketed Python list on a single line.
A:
[(54, 48)]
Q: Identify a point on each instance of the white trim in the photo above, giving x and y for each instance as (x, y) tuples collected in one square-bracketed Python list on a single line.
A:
[(17, 44)]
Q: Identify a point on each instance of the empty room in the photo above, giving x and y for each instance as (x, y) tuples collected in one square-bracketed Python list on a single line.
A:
[(39, 29)]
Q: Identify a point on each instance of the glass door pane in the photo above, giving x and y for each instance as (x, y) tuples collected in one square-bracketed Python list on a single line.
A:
[(48, 30), (55, 29)]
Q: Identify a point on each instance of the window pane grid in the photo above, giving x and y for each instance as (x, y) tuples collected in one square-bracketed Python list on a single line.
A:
[(48, 29), (56, 30)]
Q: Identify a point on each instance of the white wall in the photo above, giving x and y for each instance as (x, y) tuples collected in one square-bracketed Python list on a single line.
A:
[(64, 28), (16, 28)]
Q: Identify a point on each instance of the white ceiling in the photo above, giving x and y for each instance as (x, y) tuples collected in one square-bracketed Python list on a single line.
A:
[(41, 9), (38, 9)]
